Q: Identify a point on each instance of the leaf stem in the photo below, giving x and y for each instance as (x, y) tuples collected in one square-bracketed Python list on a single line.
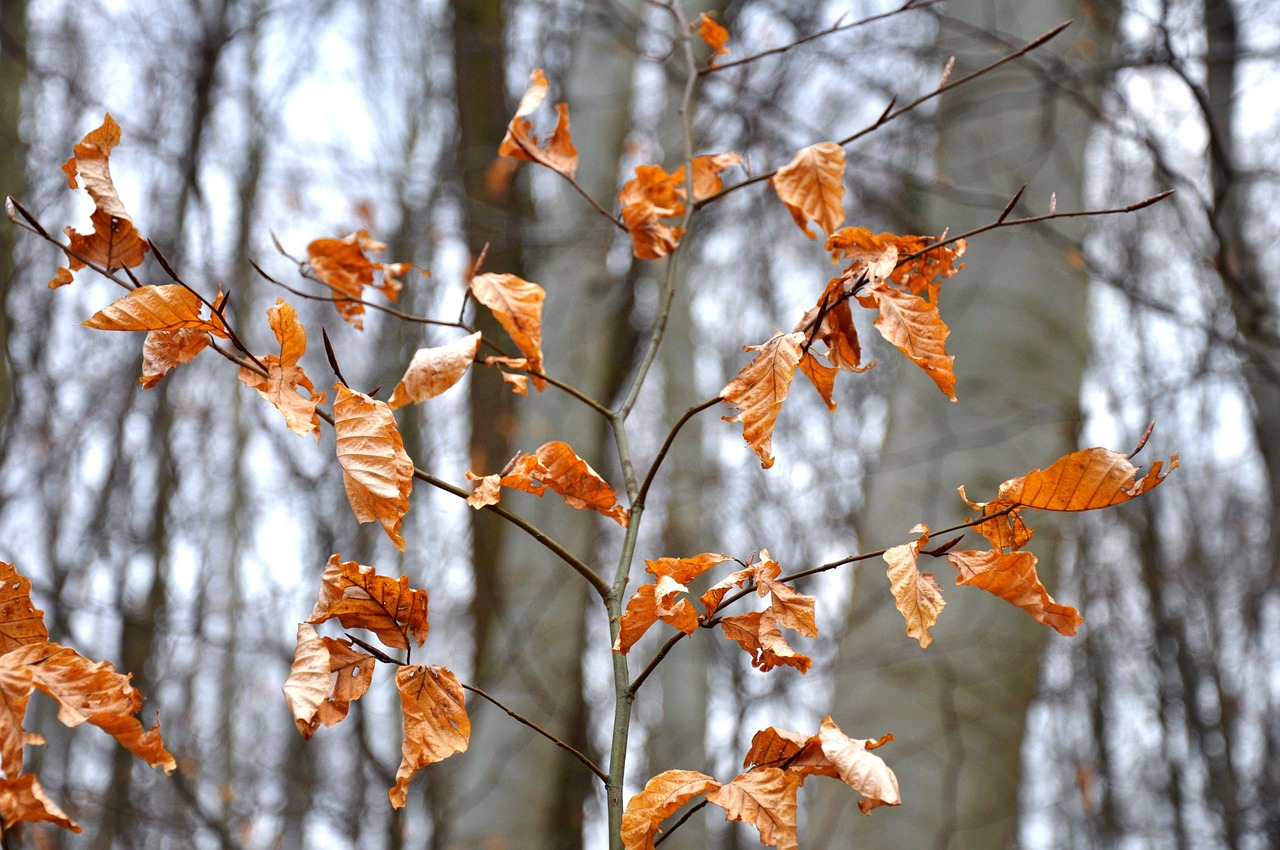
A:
[(666, 446)]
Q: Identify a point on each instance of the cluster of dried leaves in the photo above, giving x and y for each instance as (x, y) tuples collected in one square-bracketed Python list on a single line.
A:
[(897, 277), (85, 690)]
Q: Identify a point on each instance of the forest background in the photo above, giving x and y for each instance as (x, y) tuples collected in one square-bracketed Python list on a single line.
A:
[(179, 532)]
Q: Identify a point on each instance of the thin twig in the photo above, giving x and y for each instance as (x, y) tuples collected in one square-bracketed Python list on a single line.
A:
[(909, 6), (666, 445), (349, 299), (600, 774), (532, 153), (887, 116), (699, 807), (32, 225)]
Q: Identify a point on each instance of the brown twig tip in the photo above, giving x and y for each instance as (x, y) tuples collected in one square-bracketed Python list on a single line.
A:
[(942, 548), (1013, 202), (1146, 435), (373, 650), (333, 358), (164, 262), (1146, 202)]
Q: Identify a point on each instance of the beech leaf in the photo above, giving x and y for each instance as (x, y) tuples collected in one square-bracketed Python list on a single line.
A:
[(758, 634), (765, 798), (812, 186), (1012, 577), (114, 242), (916, 595), (706, 173), (434, 370), (556, 151), (435, 722), (915, 327), (646, 199), (661, 797), (22, 799), (714, 35), (163, 351), (760, 388), (517, 305), (345, 266), (860, 769), (21, 622), (165, 307), (362, 599), (877, 256), (284, 376), (376, 471)]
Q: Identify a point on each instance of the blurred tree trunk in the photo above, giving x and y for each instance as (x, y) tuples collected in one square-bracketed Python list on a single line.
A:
[(13, 164), (958, 709)]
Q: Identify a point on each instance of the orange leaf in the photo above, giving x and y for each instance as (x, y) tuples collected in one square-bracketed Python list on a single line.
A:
[(114, 242), (812, 186), (62, 278), (92, 691), (435, 722), (1013, 578), (16, 685), (760, 388), (523, 472), (661, 797), (21, 622), (765, 798), (860, 769), (641, 613), (22, 799), (362, 599), (916, 594), (155, 308), (579, 484), (556, 151), (836, 329), (822, 376), (434, 370), (711, 599), (285, 376), (706, 173), (877, 256), (758, 633), (649, 197), (792, 610), (714, 35), (915, 327), (164, 351), (344, 265), (517, 305), (684, 570), (376, 472), (326, 677), (773, 747)]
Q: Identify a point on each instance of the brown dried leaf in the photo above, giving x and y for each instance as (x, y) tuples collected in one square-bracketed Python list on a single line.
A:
[(915, 327), (649, 197), (344, 265), (760, 388), (517, 305), (706, 173), (916, 594), (22, 799), (307, 686), (284, 376), (156, 308), (21, 622), (16, 685), (714, 35), (812, 186), (362, 599), (62, 278), (434, 370), (877, 256), (758, 634), (164, 351), (376, 471), (860, 769), (661, 797), (822, 376), (766, 798), (556, 151), (803, 755), (435, 722), (1013, 578), (579, 484), (711, 599), (685, 570), (93, 691), (114, 242)]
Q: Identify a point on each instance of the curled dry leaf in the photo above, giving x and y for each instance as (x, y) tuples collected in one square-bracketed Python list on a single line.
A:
[(760, 388), (327, 676), (860, 769), (435, 722), (92, 691), (802, 754), (165, 307), (344, 265), (22, 799), (21, 622), (557, 466), (878, 257), (765, 798), (517, 305), (758, 634), (915, 327), (434, 370), (376, 471), (114, 242), (661, 797), (916, 595), (556, 151), (362, 599), (284, 376), (714, 35), (164, 351), (646, 199), (812, 186), (16, 685), (1012, 577), (706, 173)]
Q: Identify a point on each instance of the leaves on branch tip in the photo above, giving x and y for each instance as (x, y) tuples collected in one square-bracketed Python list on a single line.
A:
[(345, 266), (376, 471), (648, 198), (812, 187), (282, 384), (517, 305), (327, 676), (714, 35), (1012, 577), (557, 466), (114, 243), (555, 151)]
